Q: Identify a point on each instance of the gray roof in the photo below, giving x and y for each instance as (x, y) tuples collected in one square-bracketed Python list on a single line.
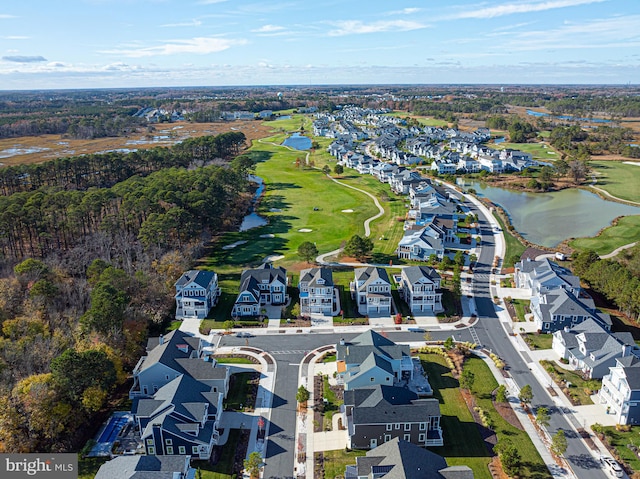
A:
[(370, 274), (167, 352), (359, 348), (202, 370), (589, 325), (312, 275), (143, 467), (398, 459), (633, 377), (389, 404), (416, 273), (265, 272), (201, 278)]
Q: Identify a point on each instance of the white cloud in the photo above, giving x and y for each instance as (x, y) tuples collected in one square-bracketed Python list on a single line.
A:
[(268, 29), (5, 15), (192, 23), (513, 8), (24, 58), (16, 37), (350, 27), (210, 2), (406, 11), (197, 45)]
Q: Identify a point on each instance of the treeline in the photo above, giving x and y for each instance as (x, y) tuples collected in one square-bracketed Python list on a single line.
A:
[(581, 144), (105, 170), (621, 106), (520, 131), (618, 281)]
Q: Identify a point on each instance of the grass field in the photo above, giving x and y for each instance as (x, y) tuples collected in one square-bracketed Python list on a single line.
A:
[(336, 461), (463, 443), (538, 341), (484, 384), (540, 151), (88, 466), (626, 231), (521, 306), (514, 248), (221, 470), (620, 439), (579, 388), (618, 178)]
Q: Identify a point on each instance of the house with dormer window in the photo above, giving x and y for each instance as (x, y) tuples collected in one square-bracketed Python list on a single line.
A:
[(196, 293), (316, 291), (419, 287), (371, 289), (620, 391), (262, 286)]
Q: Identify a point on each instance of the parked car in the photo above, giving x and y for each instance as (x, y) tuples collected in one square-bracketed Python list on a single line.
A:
[(611, 466), (241, 334)]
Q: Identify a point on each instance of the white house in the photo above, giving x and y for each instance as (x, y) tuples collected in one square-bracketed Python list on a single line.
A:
[(372, 291), (419, 287), (620, 391), (316, 291), (196, 293)]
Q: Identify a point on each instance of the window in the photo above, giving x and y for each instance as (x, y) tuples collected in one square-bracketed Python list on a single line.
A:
[(152, 450), (170, 450), (421, 438), (407, 437), (423, 426), (372, 379), (182, 450), (150, 441), (407, 426), (194, 449), (387, 437), (389, 427), (397, 426), (168, 442)]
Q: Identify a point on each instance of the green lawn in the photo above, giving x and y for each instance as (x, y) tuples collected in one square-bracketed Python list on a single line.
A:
[(541, 151), (463, 443), (222, 470), (538, 341), (578, 389), (331, 407), (484, 384), (239, 391), (229, 360), (626, 231), (619, 440), (522, 307), (514, 248), (335, 462), (618, 178)]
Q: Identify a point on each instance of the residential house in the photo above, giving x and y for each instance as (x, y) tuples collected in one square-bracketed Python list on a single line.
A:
[(262, 286), (172, 355), (196, 293), (559, 308), (444, 167), (544, 276), (371, 289), (376, 415), (370, 359), (316, 291), (146, 467), (620, 391), (591, 349), (419, 245), (419, 287), (399, 459), (182, 417)]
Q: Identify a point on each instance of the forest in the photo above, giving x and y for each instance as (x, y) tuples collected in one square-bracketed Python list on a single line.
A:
[(88, 266)]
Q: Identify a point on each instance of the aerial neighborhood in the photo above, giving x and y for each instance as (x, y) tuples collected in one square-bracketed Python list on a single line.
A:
[(386, 404)]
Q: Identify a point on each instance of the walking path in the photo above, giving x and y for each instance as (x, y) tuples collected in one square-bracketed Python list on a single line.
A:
[(617, 250), (594, 180)]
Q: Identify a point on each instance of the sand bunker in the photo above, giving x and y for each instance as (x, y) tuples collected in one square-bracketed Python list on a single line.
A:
[(233, 245), (635, 163), (268, 235), (275, 210), (272, 257), (347, 211), (305, 230)]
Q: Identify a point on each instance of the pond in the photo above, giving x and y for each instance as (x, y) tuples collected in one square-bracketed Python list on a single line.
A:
[(566, 117), (298, 142), (547, 219), (253, 219)]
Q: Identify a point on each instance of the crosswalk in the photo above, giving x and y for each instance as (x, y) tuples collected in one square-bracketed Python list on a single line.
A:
[(474, 335), (289, 351)]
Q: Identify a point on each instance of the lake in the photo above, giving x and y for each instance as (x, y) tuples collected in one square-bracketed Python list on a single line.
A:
[(550, 218), (253, 219), (298, 142), (567, 117)]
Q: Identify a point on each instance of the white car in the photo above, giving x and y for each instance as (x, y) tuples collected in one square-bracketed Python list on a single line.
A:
[(611, 466)]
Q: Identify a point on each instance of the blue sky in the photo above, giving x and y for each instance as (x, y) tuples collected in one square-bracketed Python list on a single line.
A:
[(137, 43)]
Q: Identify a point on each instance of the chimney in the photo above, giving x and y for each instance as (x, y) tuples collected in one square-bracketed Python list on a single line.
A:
[(341, 341), (161, 339), (566, 329)]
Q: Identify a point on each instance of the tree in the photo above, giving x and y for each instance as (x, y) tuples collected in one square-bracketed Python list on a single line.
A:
[(307, 251), (525, 395), (509, 457), (253, 463), (559, 443), (542, 416), (467, 378), (358, 247), (501, 393), (228, 325), (338, 169), (302, 395), (326, 169), (448, 343), (74, 372)]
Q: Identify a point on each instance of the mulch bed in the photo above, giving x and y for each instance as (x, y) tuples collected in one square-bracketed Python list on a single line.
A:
[(508, 414), (532, 253), (297, 323)]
